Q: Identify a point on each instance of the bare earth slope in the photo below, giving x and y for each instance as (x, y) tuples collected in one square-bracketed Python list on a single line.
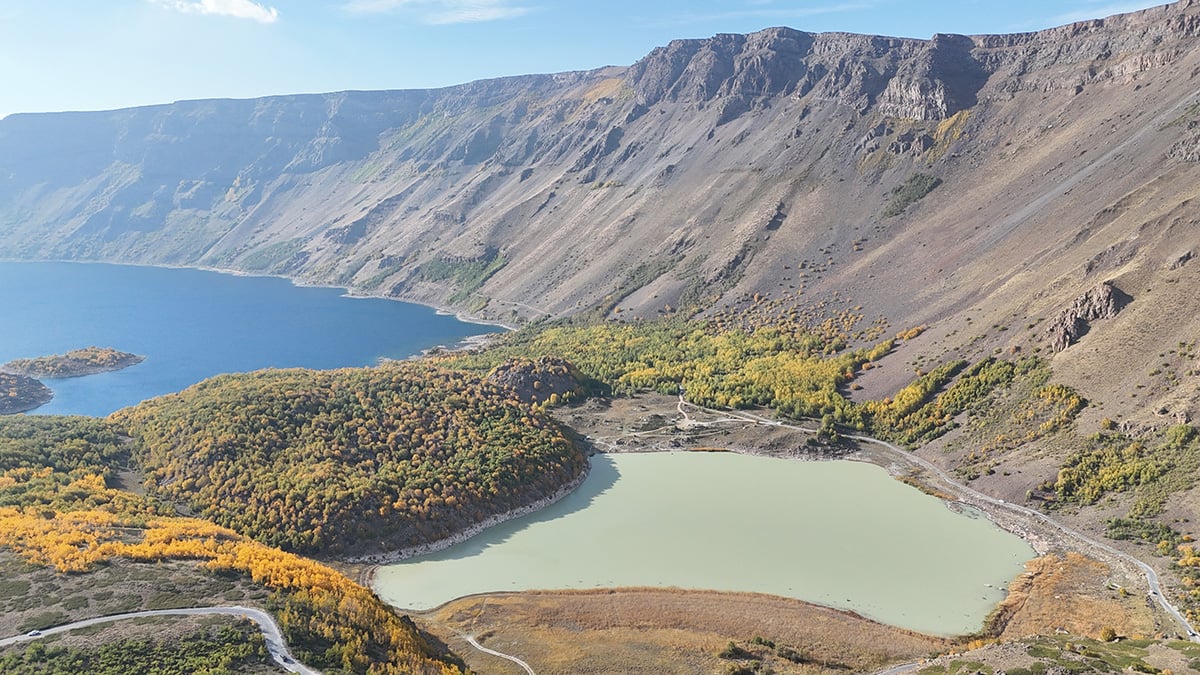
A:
[(708, 171)]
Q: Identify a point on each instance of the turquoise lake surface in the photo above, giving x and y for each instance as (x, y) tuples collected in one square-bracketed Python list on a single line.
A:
[(838, 533)]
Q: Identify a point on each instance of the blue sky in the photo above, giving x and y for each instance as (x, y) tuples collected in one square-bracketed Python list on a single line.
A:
[(102, 54)]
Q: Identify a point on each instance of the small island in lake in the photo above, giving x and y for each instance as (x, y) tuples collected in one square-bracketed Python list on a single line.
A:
[(20, 393), (75, 363)]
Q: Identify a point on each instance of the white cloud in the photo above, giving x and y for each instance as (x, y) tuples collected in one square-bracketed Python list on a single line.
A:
[(443, 11), (239, 9)]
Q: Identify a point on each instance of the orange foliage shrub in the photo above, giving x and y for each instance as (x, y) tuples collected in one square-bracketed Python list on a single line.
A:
[(329, 620)]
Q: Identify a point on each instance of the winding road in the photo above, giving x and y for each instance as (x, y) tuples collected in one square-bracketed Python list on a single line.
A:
[(502, 655), (1156, 594), (270, 630), (1151, 576)]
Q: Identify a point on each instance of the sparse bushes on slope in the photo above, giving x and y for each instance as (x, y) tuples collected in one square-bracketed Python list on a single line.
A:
[(911, 191), (467, 275), (1116, 463), (215, 651)]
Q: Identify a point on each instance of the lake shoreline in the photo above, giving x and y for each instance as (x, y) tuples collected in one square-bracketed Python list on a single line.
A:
[(417, 591), (374, 560), (896, 464), (1047, 537), (299, 283), (194, 324)]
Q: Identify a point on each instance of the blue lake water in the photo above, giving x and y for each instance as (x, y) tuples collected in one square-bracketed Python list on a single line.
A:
[(193, 324)]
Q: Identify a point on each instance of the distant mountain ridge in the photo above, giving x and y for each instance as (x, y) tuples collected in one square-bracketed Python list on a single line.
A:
[(1024, 170)]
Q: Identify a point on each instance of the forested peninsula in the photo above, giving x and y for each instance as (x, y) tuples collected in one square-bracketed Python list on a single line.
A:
[(59, 509), (20, 393), (75, 363)]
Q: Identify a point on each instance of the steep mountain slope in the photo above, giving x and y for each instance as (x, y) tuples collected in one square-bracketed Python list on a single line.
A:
[(780, 163)]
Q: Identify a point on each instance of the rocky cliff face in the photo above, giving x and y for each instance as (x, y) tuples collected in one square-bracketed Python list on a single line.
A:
[(912, 79), (1101, 302), (779, 164)]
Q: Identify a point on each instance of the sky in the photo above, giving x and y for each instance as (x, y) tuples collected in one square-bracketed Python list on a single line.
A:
[(102, 54)]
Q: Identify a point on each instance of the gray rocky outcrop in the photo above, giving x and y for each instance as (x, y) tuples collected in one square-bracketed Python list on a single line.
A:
[(538, 379), (942, 80), (1101, 302), (911, 79), (1181, 260), (1186, 149)]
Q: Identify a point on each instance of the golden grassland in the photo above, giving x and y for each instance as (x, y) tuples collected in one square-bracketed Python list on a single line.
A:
[(668, 631)]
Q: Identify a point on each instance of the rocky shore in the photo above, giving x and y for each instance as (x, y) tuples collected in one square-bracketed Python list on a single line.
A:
[(21, 393)]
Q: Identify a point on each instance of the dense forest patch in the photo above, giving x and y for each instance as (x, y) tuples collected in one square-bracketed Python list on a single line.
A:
[(349, 461)]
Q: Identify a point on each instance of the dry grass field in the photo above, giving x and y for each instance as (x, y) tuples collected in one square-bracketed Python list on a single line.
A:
[(1072, 594), (669, 631), (678, 631)]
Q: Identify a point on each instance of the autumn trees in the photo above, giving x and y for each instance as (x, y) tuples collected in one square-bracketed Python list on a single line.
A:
[(788, 368), (19, 393), (86, 361), (61, 512), (349, 461)]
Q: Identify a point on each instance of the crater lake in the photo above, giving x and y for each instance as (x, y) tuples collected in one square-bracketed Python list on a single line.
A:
[(193, 324)]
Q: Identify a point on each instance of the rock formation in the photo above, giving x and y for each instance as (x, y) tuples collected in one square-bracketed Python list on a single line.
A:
[(537, 380), (1100, 302)]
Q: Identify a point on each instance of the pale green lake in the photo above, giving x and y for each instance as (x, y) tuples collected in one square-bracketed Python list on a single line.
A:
[(840, 533)]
